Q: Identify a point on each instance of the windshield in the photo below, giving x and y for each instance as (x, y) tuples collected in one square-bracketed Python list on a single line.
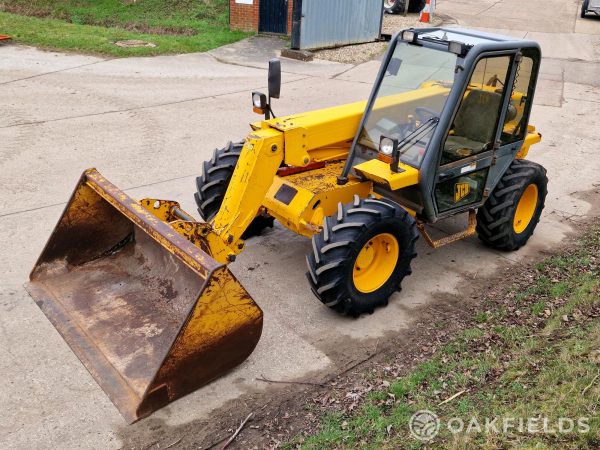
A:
[(409, 102)]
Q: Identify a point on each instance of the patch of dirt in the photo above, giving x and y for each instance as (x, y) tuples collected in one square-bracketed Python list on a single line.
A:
[(32, 11), (86, 19), (147, 29), (287, 409), (134, 43)]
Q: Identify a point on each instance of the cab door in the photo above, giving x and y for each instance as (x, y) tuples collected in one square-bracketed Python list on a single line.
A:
[(471, 144)]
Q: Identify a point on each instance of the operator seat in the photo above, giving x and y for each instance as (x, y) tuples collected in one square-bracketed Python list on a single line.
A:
[(474, 125)]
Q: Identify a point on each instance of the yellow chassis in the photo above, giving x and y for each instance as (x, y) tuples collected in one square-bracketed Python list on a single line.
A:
[(300, 201)]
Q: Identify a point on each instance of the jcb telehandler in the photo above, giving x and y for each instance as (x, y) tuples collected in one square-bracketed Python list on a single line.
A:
[(141, 291)]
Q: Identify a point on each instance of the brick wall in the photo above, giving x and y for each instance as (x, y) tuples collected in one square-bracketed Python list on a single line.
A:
[(245, 17), (290, 9)]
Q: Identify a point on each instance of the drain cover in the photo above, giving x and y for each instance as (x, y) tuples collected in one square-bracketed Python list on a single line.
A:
[(134, 43)]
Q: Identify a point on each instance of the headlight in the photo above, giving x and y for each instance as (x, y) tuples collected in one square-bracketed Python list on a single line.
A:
[(387, 146), (259, 100)]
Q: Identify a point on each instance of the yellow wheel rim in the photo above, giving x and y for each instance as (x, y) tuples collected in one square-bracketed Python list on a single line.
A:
[(375, 263), (525, 208)]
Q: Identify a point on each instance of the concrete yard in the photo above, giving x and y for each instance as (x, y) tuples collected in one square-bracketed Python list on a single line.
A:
[(147, 124)]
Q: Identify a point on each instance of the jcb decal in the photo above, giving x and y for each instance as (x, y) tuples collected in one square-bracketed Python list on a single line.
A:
[(461, 190)]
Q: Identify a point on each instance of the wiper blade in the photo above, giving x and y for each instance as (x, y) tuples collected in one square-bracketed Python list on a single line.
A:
[(430, 123)]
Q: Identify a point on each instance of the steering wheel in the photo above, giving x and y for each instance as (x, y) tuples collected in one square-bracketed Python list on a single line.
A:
[(403, 130), (424, 114)]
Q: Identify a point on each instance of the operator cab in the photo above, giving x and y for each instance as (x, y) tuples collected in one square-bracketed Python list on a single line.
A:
[(450, 108)]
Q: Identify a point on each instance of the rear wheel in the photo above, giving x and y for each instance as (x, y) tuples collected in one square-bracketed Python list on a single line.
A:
[(584, 8), (508, 218), (213, 183), (362, 255)]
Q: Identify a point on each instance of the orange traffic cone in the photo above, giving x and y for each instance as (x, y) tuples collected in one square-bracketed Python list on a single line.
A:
[(426, 12)]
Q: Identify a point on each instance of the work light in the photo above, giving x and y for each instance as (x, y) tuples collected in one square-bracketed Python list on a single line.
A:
[(259, 102), (409, 36), (387, 145), (458, 48)]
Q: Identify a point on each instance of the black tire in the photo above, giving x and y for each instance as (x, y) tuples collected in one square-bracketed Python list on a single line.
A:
[(495, 219), (584, 7), (416, 5), (335, 250), (212, 185), (397, 6)]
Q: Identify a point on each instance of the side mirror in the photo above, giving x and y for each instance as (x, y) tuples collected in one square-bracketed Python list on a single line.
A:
[(274, 78), (260, 103)]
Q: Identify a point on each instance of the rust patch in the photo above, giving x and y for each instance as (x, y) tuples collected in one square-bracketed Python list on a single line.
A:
[(167, 290), (150, 315), (292, 170)]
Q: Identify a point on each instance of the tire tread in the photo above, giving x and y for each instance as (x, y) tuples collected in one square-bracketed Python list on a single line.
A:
[(495, 217), (334, 247)]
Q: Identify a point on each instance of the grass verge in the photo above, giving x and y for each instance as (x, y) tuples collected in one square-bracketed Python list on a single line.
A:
[(93, 26), (531, 357)]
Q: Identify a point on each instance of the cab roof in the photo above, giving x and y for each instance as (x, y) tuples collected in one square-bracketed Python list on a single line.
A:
[(467, 38)]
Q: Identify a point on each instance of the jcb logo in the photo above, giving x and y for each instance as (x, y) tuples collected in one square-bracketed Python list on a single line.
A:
[(461, 190)]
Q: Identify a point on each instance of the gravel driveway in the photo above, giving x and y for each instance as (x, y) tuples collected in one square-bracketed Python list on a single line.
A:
[(356, 54)]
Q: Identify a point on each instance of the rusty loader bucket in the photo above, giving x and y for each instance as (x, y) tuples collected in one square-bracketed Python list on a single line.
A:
[(151, 315)]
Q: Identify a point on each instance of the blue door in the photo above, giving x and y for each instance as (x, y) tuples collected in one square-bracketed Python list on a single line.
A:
[(273, 16)]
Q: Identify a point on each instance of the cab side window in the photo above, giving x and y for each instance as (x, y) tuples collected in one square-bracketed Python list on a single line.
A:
[(474, 125), (521, 94)]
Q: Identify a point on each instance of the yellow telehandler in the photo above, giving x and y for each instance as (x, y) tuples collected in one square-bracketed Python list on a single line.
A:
[(141, 290)]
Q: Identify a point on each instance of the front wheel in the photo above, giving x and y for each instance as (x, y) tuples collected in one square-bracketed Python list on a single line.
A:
[(509, 216), (362, 255)]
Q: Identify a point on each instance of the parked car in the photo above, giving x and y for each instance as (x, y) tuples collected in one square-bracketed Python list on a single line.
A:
[(397, 6), (588, 6)]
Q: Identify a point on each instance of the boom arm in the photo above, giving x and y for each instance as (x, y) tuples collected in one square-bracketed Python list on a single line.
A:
[(322, 135), (261, 156)]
